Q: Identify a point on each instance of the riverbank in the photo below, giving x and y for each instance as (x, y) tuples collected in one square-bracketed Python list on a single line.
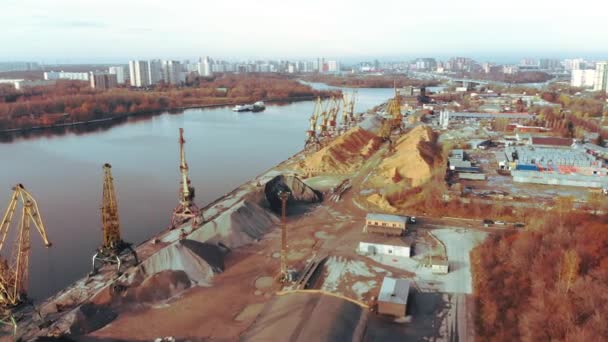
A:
[(155, 112)]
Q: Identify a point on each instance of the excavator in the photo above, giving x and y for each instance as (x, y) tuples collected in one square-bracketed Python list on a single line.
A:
[(14, 271), (312, 141), (114, 248), (186, 210)]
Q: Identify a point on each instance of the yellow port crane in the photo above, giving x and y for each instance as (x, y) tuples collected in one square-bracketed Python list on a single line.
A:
[(113, 247), (312, 141), (14, 272), (348, 110), (333, 115), (324, 134), (394, 110), (186, 210)]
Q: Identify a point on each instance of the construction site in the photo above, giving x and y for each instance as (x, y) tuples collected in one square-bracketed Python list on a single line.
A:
[(313, 249)]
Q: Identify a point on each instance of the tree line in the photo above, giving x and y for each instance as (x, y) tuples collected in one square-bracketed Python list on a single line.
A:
[(74, 101), (547, 283)]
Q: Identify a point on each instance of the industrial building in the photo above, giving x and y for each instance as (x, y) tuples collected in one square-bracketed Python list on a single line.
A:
[(385, 224), (392, 299), (391, 246), (21, 83), (551, 161)]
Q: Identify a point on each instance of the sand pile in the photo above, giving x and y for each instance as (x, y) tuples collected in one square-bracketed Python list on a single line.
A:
[(303, 317), (161, 286), (187, 256), (412, 162), (300, 192), (243, 223), (380, 202), (344, 154)]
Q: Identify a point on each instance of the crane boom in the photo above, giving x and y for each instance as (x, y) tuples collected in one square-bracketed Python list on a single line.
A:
[(186, 209), (14, 273), (109, 210)]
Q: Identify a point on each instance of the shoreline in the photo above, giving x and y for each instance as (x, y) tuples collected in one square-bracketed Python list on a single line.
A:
[(158, 112)]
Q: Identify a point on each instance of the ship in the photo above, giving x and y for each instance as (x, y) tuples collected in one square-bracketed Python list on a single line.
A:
[(256, 107)]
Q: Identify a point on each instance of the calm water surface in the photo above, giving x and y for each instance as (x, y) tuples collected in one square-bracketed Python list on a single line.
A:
[(64, 173)]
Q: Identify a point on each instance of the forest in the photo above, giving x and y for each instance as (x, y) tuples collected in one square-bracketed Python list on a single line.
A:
[(370, 81), (547, 283), (75, 101)]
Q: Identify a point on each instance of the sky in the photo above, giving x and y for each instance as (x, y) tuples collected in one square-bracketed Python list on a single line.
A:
[(79, 31)]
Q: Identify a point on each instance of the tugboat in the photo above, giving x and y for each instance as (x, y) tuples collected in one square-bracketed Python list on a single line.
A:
[(258, 107)]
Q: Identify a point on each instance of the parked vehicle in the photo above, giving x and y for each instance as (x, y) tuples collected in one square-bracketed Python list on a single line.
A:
[(411, 219)]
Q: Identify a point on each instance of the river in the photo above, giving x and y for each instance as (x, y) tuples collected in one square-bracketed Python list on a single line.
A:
[(64, 173)]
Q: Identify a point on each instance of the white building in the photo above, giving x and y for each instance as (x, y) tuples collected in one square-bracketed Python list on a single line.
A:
[(601, 76), (389, 246), (119, 71), (139, 75), (21, 83), (205, 67), (62, 75), (582, 78), (573, 64), (333, 66)]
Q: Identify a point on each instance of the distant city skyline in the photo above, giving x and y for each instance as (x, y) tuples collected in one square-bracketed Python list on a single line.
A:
[(113, 31)]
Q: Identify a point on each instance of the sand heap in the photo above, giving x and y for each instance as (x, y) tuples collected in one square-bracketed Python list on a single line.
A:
[(344, 154), (412, 162), (245, 222)]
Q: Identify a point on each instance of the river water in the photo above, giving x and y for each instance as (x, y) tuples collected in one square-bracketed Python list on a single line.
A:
[(64, 173)]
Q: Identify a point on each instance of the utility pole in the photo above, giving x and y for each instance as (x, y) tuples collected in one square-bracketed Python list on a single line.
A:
[(284, 196)]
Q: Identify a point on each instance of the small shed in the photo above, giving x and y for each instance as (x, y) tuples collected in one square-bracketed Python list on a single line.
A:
[(392, 299), (385, 224), (440, 266), (392, 246)]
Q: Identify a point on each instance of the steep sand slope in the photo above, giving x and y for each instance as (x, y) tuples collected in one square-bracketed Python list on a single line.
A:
[(344, 154), (412, 162)]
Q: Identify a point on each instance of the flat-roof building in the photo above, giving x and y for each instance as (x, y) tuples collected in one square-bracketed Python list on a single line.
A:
[(379, 245), (392, 299), (385, 224)]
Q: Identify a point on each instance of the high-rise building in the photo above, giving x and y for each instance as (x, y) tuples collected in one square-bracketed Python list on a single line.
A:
[(103, 80), (139, 73), (205, 67), (549, 64), (601, 76), (172, 72), (573, 64), (582, 78), (119, 71), (333, 66), (155, 71)]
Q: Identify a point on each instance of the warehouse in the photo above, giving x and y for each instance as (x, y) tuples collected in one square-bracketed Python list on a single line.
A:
[(379, 245), (392, 299), (385, 224)]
